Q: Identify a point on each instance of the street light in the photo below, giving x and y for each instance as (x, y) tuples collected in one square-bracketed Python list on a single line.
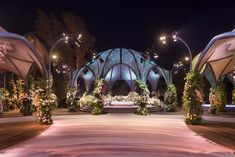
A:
[(54, 56), (186, 58), (66, 39), (155, 56), (175, 39), (175, 65)]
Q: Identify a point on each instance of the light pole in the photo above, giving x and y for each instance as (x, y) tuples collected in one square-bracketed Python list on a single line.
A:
[(175, 39), (66, 40)]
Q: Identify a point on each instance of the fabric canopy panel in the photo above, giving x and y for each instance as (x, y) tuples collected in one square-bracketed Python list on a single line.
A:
[(18, 56), (219, 55), (153, 78), (121, 72), (39, 47), (223, 66)]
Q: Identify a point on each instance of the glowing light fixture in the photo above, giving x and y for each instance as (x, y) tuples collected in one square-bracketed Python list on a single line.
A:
[(54, 56)]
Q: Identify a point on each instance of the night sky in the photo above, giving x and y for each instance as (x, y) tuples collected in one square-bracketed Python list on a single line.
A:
[(132, 24)]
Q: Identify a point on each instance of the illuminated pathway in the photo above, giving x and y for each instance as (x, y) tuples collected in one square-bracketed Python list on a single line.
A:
[(114, 135)]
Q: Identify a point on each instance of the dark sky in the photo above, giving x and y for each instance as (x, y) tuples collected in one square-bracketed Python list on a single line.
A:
[(132, 24)]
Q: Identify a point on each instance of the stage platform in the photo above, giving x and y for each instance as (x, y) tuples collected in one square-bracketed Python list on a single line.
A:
[(121, 107)]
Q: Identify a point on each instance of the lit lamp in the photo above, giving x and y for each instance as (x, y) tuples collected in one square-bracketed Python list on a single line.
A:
[(176, 38), (54, 56), (163, 39), (186, 58), (177, 66)]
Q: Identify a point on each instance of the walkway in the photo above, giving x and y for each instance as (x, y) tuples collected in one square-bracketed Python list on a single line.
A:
[(114, 135)]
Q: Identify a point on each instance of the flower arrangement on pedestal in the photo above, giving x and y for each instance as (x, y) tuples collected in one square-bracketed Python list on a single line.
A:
[(217, 100), (142, 100), (193, 97), (170, 98), (43, 100), (95, 99)]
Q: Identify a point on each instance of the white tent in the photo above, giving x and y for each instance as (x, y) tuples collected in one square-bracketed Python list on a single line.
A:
[(219, 55), (17, 55)]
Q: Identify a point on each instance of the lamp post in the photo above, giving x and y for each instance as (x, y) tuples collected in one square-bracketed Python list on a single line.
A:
[(175, 39), (66, 40)]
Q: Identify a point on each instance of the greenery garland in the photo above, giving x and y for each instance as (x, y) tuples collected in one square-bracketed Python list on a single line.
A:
[(142, 100), (170, 98), (217, 100), (193, 97)]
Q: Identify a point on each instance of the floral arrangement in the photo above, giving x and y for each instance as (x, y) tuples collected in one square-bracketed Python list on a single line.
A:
[(130, 97), (93, 102), (17, 94), (43, 100), (233, 96), (107, 99), (5, 99), (17, 98), (71, 100), (217, 100), (95, 99), (26, 108), (170, 98), (142, 100), (193, 97)]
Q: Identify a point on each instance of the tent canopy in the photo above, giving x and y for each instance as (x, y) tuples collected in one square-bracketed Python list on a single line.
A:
[(17, 55), (218, 55)]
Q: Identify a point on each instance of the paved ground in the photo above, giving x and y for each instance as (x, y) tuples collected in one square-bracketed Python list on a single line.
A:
[(115, 135)]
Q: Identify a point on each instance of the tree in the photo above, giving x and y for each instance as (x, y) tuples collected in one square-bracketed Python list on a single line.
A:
[(49, 28)]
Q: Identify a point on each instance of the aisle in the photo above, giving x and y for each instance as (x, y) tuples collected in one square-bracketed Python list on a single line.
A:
[(115, 135)]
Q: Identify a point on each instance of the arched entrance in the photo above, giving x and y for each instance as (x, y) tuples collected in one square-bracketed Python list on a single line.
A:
[(161, 87), (121, 87)]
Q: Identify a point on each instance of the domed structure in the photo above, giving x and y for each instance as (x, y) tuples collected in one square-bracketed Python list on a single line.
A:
[(119, 65)]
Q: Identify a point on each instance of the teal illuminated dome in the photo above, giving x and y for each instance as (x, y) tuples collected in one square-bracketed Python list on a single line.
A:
[(119, 64)]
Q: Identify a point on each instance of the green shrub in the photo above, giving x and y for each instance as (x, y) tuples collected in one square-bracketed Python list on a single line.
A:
[(94, 100), (142, 100)]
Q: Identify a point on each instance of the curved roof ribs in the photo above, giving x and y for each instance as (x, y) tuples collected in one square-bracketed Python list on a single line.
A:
[(24, 53)]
